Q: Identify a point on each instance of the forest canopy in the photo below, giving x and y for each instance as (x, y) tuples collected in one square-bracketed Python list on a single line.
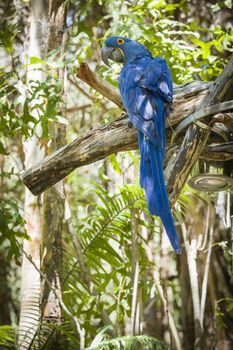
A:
[(84, 265)]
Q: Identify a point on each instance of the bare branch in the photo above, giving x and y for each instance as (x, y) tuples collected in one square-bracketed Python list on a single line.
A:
[(205, 112), (95, 145), (101, 142), (85, 73)]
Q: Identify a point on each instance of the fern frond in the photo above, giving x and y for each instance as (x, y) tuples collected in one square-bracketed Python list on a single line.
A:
[(7, 338), (131, 343), (110, 221), (111, 216)]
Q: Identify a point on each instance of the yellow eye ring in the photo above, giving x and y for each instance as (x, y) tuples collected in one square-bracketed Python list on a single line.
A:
[(120, 41)]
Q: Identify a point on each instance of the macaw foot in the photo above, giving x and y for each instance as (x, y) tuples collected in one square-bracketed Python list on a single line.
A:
[(125, 115)]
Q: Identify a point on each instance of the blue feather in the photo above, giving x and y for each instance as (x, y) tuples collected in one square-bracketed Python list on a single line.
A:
[(146, 86), (152, 180)]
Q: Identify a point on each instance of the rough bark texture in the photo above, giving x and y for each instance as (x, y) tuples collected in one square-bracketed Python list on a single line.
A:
[(103, 141), (196, 137), (53, 215)]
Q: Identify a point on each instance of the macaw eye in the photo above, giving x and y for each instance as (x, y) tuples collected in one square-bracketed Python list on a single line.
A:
[(120, 41)]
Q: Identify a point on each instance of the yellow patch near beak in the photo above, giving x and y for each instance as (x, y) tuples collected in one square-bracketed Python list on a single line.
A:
[(122, 52)]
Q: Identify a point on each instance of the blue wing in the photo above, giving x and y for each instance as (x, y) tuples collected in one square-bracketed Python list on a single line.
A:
[(157, 81), (147, 92)]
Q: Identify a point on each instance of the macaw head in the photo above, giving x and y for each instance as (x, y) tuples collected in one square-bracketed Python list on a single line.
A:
[(123, 50)]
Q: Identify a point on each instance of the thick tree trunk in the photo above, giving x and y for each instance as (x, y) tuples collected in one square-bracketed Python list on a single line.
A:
[(53, 203), (30, 280)]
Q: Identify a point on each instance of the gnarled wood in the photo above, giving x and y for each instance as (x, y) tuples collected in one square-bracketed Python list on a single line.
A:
[(196, 137), (117, 136), (93, 146), (103, 141)]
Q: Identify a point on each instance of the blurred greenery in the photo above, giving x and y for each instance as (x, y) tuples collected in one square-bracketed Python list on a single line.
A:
[(192, 51)]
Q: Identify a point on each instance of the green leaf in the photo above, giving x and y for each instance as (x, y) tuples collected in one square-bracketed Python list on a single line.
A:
[(99, 336), (36, 60), (3, 149), (230, 307), (115, 164)]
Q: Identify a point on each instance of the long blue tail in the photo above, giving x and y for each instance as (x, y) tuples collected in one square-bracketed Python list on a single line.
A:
[(152, 180)]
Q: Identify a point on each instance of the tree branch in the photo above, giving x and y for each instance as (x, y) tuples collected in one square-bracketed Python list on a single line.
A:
[(117, 136), (200, 114), (196, 137), (103, 141), (96, 144), (103, 87)]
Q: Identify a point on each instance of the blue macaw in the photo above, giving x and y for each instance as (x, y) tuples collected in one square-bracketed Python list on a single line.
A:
[(146, 90)]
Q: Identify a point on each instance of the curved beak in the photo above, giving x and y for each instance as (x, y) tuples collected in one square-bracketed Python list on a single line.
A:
[(112, 53)]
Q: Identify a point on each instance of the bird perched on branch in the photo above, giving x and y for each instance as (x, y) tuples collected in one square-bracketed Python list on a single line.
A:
[(146, 90)]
